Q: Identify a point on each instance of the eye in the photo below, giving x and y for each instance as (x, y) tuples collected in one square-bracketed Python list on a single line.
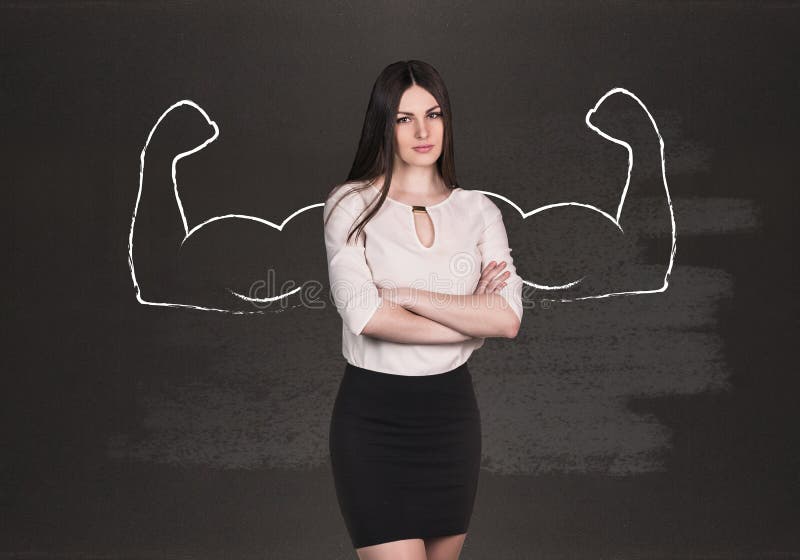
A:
[(438, 115)]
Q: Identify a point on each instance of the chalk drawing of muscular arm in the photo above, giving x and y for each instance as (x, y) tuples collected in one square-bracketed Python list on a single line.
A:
[(166, 146)]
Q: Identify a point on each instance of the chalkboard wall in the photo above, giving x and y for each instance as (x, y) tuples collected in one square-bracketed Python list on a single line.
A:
[(152, 409)]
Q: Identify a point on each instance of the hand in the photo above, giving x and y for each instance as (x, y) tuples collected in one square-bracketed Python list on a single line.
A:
[(491, 279), (398, 296)]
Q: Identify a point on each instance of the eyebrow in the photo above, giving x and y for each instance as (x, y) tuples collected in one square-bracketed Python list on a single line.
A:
[(412, 114)]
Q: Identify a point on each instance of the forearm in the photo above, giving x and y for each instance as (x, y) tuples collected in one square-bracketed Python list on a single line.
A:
[(477, 315), (394, 323)]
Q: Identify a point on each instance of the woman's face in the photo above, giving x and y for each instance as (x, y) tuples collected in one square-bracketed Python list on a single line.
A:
[(418, 123)]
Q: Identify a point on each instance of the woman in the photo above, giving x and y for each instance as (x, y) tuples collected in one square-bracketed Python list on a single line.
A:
[(421, 273)]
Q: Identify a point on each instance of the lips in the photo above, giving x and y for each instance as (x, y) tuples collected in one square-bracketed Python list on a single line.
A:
[(423, 148)]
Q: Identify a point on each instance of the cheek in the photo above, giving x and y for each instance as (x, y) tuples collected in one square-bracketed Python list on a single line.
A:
[(404, 136), (399, 137)]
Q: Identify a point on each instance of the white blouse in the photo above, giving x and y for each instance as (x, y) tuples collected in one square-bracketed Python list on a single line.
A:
[(469, 233)]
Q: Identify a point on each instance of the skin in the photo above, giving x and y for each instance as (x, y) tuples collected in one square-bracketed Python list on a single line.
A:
[(417, 316), (421, 316), (437, 548)]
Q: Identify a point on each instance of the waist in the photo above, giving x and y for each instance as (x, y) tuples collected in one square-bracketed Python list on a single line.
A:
[(462, 369), (426, 390), (406, 360)]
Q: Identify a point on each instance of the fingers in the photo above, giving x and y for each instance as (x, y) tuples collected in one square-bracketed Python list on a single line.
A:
[(496, 284), (491, 279)]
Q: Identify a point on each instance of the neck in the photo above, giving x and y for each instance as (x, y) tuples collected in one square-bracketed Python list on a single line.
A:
[(422, 182)]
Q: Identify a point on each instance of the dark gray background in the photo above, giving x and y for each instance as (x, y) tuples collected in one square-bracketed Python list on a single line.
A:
[(653, 426)]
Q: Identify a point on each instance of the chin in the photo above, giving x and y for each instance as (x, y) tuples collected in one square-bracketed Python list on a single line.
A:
[(429, 156)]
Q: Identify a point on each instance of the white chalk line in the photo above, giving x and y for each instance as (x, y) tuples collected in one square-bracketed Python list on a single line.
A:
[(279, 227), (188, 232), (612, 219)]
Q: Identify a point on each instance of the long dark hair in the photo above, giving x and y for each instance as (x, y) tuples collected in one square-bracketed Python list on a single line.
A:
[(376, 148)]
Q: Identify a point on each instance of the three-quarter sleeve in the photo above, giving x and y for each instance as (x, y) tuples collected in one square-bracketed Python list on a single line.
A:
[(493, 245), (351, 283)]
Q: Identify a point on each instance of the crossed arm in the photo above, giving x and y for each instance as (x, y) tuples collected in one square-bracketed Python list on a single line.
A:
[(416, 316), (425, 317), (410, 315)]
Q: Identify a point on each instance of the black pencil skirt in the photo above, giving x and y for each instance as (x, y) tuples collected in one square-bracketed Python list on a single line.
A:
[(405, 453)]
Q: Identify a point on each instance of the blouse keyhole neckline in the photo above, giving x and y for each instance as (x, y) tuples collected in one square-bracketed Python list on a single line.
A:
[(411, 206), (413, 209)]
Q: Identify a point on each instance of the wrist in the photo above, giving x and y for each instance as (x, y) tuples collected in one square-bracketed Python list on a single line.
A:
[(394, 296), (410, 297)]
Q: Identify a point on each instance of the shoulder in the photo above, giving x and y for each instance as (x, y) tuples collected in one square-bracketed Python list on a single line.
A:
[(481, 203), (477, 199), (351, 197)]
